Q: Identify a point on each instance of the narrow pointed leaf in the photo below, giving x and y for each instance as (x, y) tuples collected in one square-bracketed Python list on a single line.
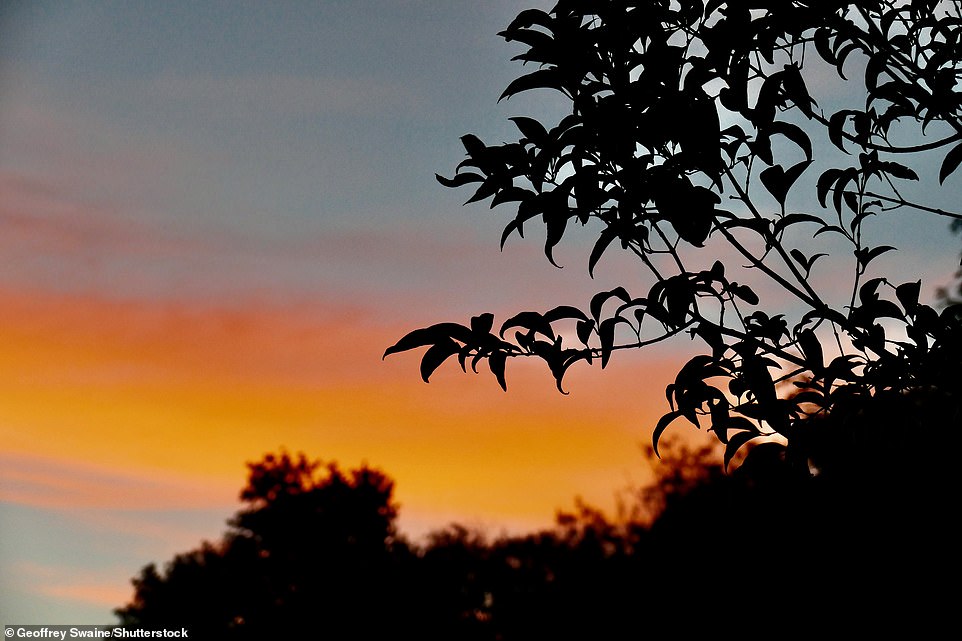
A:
[(950, 163), (735, 443), (437, 354), (660, 428), (540, 79)]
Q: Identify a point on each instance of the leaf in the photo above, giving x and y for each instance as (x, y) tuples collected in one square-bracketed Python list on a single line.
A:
[(793, 84), (496, 362), (437, 354), (606, 333), (836, 127), (511, 194), (660, 428), (531, 321), (851, 200), (513, 226), (831, 228), (868, 292), (481, 325), (803, 261), (812, 349), (825, 182), (473, 145), (951, 162), (794, 133), (875, 67), (555, 226), (745, 293), (768, 99), (908, 295), (564, 311), (779, 181), (735, 443), (737, 423), (847, 176), (867, 255), (811, 261), (841, 54), (604, 240), (429, 336), (792, 219), (584, 329), (527, 19), (531, 129), (774, 180), (599, 299), (541, 79), (898, 170), (711, 334), (459, 179), (822, 45), (718, 270), (488, 188)]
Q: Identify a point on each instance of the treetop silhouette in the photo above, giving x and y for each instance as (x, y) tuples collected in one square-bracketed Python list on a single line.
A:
[(313, 548), (695, 143)]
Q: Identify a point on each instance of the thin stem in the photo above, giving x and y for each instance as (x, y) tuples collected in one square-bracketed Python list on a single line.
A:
[(911, 149), (765, 268), (812, 297), (905, 203)]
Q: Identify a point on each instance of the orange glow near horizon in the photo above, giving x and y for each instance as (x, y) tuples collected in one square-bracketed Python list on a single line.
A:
[(189, 393)]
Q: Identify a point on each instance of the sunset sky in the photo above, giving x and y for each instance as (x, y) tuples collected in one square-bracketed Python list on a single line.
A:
[(215, 217)]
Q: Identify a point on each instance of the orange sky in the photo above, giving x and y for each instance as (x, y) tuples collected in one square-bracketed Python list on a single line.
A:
[(187, 393)]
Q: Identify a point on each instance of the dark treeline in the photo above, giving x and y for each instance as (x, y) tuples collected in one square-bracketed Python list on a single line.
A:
[(846, 543)]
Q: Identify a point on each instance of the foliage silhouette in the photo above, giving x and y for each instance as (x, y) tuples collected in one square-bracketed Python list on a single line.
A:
[(695, 143), (319, 554), (311, 550)]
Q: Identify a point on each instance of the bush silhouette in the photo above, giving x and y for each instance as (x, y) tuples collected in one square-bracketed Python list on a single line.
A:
[(312, 550)]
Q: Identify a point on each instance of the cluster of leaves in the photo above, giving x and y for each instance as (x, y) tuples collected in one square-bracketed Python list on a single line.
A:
[(643, 158)]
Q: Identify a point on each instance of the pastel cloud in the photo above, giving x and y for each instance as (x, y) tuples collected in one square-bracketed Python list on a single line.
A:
[(68, 484), (98, 588)]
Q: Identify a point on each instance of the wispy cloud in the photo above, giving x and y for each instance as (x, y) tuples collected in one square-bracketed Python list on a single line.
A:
[(97, 587), (48, 482)]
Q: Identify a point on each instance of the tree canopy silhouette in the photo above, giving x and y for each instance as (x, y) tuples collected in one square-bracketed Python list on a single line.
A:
[(313, 549), (319, 554), (741, 152)]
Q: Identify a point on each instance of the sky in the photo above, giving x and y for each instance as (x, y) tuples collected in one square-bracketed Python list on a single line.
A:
[(215, 218)]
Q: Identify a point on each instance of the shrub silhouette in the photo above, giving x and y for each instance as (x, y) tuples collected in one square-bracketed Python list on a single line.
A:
[(312, 550)]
